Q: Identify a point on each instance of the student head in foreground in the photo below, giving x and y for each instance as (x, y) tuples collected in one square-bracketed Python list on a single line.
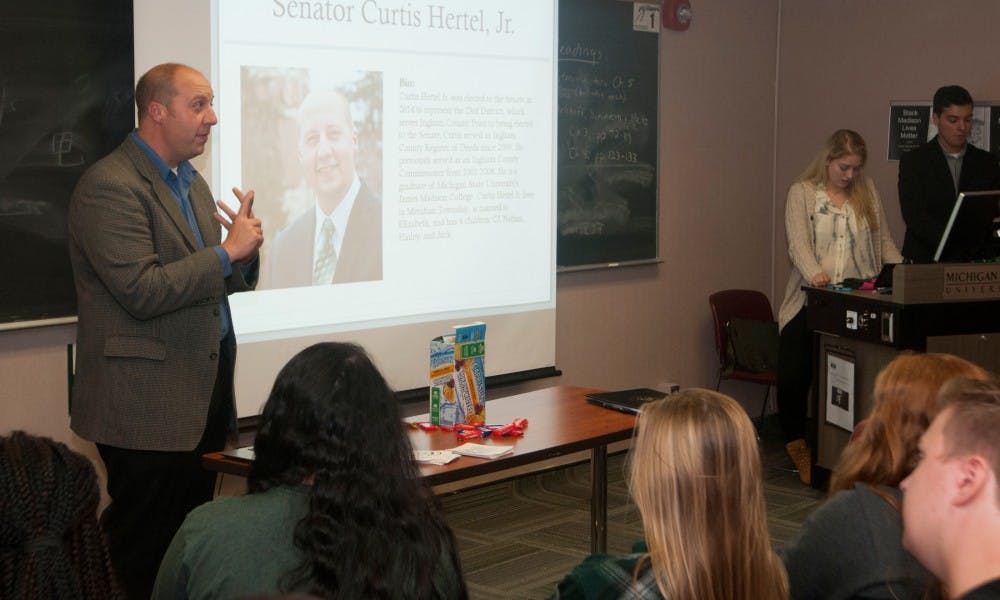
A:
[(836, 230), (50, 543), (951, 501), (905, 403), (695, 475), (336, 505), (852, 545)]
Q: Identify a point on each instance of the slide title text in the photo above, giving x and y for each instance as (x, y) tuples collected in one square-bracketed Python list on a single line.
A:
[(371, 12)]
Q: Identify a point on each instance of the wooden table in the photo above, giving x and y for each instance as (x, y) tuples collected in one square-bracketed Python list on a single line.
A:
[(560, 422)]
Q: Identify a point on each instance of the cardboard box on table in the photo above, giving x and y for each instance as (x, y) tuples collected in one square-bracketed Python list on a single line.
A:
[(458, 376)]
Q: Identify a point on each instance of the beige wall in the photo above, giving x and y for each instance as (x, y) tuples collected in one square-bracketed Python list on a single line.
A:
[(722, 181), (34, 389), (645, 325), (842, 63)]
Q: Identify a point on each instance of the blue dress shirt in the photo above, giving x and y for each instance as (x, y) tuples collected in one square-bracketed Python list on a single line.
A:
[(180, 184)]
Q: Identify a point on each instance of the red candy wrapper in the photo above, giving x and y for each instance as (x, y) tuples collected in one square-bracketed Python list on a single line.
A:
[(466, 435)]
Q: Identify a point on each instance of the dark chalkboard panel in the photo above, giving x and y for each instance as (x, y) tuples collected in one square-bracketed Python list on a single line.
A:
[(608, 85), (994, 130), (66, 78)]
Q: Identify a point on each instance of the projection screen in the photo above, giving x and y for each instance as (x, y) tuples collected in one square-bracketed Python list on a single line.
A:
[(436, 120)]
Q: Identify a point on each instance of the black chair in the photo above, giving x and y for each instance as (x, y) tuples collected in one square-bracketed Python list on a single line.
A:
[(740, 304)]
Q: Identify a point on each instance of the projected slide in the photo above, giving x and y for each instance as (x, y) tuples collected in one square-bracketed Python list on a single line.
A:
[(401, 154)]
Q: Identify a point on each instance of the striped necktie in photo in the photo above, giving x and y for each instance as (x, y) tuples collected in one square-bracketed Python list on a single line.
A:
[(326, 258)]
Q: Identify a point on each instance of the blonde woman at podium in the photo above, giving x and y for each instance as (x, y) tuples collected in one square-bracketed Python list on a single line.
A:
[(835, 227)]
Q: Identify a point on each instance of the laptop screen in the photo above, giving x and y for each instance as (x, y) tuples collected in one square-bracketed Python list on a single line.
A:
[(971, 231)]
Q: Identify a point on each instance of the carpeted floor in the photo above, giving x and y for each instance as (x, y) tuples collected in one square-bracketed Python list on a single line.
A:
[(517, 538)]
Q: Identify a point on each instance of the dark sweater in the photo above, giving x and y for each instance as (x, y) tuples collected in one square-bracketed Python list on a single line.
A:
[(242, 546), (851, 547)]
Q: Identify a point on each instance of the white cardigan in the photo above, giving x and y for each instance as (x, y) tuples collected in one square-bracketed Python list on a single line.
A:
[(799, 209)]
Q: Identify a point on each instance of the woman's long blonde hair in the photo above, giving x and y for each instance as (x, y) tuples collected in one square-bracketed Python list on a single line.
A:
[(905, 403), (845, 142), (695, 476)]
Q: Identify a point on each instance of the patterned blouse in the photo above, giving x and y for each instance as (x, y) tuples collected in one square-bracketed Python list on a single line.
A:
[(842, 249), (824, 238)]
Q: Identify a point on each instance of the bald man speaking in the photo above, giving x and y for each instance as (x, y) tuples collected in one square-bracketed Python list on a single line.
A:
[(339, 238)]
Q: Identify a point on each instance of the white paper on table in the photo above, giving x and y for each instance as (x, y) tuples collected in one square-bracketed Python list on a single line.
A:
[(245, 453), (482, 450), (434, 457)]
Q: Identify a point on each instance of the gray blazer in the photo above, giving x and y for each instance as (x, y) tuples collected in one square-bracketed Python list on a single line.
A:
[(148, 301)]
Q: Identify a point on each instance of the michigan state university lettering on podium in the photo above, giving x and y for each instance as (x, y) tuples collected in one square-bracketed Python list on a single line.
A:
[(980, 282)]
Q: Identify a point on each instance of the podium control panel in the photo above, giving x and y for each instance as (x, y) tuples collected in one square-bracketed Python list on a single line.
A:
[(856, 315)]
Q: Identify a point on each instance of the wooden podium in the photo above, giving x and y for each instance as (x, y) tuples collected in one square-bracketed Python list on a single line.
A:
[(953, 308)]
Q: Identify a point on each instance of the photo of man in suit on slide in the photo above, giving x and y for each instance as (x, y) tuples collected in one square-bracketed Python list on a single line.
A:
[(338, 238)]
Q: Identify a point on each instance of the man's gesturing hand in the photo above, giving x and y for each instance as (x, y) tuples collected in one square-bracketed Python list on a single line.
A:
[(245, 234)]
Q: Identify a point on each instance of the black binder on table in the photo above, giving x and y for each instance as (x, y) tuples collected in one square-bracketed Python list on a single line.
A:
[(627, 401)]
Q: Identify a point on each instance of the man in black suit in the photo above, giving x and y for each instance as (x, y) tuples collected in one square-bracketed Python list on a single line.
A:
[(931, 176), (339, 238)]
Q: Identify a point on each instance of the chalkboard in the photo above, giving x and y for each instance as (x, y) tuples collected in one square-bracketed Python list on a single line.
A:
[(66, 81), (66, 85), (994, 129), (607, 154)]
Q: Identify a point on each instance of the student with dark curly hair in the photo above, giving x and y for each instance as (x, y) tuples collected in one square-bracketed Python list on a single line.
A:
[(50, 543), (336, 505)]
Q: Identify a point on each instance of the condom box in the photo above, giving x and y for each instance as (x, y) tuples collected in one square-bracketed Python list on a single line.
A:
[(458, 376), (470, 372), (444, 410)]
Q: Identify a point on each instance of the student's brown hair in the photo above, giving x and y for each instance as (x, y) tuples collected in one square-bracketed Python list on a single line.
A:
[(906, 401), (973, 425)]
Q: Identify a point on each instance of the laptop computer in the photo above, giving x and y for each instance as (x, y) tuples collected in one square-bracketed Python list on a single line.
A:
[(884, 279), (971, 232), (626, 401)]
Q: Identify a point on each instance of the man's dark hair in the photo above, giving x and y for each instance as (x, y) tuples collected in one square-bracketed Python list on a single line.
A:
[(951, 95)]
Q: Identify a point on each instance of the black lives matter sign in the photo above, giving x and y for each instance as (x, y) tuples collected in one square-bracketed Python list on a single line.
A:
[(908, 125)]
